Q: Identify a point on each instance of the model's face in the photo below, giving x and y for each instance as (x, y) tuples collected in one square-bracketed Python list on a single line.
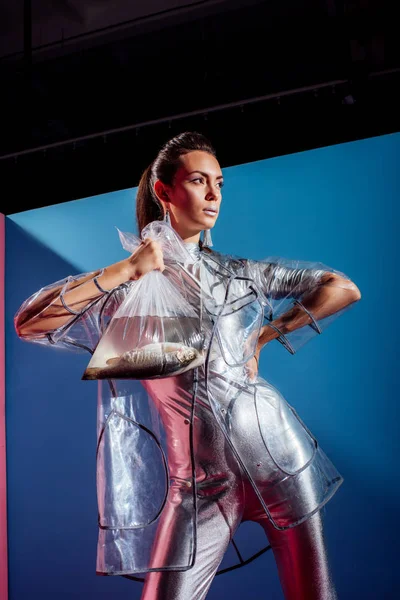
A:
[(194, 198)]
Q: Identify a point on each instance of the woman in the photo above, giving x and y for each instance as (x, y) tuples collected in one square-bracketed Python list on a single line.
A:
[(188, 458)]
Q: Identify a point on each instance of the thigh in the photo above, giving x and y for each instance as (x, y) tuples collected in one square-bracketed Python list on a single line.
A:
[(216, 523), (301, 558)]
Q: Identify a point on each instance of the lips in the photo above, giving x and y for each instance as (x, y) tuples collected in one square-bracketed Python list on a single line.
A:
[(210, 212)]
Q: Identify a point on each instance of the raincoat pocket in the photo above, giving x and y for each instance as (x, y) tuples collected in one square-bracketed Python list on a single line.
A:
[(288, 441), (132, 475)]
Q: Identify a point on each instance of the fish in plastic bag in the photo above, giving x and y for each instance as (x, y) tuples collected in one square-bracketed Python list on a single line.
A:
[(155, 332)]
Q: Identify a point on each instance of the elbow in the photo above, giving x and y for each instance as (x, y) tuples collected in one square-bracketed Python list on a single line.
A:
[(21, 328), (356, 293), (352, 291), (19, 325), (27, 332)]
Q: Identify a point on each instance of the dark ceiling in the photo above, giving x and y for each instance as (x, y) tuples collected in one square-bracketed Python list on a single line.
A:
[(90, 90)]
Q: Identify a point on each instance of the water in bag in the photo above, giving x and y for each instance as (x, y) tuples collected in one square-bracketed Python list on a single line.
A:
[(155, 332)]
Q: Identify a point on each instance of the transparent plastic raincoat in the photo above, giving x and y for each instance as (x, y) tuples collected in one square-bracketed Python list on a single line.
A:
[(158, 439)]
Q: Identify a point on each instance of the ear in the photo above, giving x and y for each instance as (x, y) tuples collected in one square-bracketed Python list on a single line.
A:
[(161, 191)]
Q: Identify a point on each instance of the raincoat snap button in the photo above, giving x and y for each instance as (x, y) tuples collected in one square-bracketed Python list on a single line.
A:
[(187, 421), (189, 483)]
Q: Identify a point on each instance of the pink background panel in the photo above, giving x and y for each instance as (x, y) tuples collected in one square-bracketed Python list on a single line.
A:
[(3, 486)]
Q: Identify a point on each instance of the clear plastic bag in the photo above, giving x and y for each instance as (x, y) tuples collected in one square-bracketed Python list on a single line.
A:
[(155, 332)]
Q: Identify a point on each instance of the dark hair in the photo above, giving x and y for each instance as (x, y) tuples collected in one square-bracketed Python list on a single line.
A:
[(164, 167)]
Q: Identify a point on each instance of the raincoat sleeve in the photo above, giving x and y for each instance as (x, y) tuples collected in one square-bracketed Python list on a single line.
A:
[(47, 318), (302, 298)]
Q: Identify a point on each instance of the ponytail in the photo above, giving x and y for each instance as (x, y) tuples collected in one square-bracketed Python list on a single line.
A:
[(148, 207)]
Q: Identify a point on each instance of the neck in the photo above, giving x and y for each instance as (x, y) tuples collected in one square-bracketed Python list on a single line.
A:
[(185, 233), (186, 236), (194, 239)]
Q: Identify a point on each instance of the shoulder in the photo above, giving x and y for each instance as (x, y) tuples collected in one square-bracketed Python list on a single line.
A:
[(232, 262), (250, 265)]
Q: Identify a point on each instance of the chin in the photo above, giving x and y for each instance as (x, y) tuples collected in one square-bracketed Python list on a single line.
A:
[(208, 223)]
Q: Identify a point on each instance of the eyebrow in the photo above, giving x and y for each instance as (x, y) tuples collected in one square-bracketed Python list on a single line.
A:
[(205, 174)]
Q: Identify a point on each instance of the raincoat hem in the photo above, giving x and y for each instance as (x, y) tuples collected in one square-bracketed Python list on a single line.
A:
[(328, 497)]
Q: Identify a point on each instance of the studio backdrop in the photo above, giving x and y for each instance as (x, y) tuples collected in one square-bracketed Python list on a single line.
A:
[(338, 205)]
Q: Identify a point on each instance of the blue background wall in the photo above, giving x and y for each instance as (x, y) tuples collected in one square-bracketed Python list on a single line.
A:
[(338, 205)]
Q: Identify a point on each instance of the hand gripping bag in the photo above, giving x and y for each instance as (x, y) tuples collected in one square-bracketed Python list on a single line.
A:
[(155, 332)]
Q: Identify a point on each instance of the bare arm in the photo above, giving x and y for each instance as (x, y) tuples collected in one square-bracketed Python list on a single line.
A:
[(333, 294), (53, 309)]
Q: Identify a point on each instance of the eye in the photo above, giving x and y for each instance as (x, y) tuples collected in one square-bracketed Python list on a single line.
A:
[(201, 179)]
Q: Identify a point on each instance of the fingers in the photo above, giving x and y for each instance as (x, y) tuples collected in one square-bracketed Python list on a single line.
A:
[(251, 375), (152, 246), (153, 254), (251, 369), (160, 266), (156, 254)]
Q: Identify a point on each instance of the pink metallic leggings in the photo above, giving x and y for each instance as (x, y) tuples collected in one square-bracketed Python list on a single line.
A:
[(300, 552)]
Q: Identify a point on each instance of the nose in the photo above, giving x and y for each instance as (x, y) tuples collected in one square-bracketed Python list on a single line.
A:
[(213, 194)]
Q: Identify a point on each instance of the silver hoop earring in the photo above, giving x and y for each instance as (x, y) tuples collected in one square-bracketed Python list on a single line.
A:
[(207, 241)]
